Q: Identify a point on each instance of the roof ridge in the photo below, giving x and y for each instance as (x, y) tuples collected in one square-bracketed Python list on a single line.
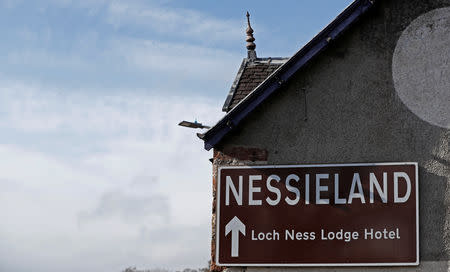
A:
[(236, 80)]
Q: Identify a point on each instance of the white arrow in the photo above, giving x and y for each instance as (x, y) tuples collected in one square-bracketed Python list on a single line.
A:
[(235, 226)]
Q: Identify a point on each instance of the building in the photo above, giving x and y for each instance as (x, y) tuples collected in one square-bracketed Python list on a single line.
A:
[(373, 86)]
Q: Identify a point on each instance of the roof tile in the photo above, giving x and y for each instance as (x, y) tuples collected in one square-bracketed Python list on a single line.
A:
[(253, 74)]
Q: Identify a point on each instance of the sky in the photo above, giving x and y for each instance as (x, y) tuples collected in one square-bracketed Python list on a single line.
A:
[(95, 174)]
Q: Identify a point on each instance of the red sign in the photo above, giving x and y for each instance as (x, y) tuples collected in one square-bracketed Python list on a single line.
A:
[(318, 215)]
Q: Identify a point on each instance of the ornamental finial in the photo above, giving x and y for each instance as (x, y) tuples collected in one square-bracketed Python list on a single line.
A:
[(250, 39)]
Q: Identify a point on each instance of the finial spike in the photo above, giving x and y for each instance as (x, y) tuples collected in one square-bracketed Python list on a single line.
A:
[(250, 39)]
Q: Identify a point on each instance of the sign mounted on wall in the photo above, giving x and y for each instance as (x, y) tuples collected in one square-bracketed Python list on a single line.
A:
[(363, 214)]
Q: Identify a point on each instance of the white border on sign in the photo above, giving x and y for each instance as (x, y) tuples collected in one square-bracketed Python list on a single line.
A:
[(317, 264)]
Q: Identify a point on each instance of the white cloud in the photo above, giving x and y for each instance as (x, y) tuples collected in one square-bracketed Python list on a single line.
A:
[(98, 181), (128, 207), (134, 56), (174, 22), (182, 60), (44, 59), (138, 194), (34, 108), (156, 16), (179, 61)]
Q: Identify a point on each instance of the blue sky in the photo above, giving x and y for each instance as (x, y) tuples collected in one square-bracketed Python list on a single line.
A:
[(96, 176)]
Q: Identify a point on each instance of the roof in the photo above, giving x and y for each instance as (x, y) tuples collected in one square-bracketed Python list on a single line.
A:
[(250, 75), (278, 78)]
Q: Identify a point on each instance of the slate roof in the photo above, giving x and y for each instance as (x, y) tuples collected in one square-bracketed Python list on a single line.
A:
[(281, 75), (250, 75)]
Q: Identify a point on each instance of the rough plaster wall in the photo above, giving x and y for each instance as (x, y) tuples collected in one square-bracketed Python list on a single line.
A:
[(354, 114)]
